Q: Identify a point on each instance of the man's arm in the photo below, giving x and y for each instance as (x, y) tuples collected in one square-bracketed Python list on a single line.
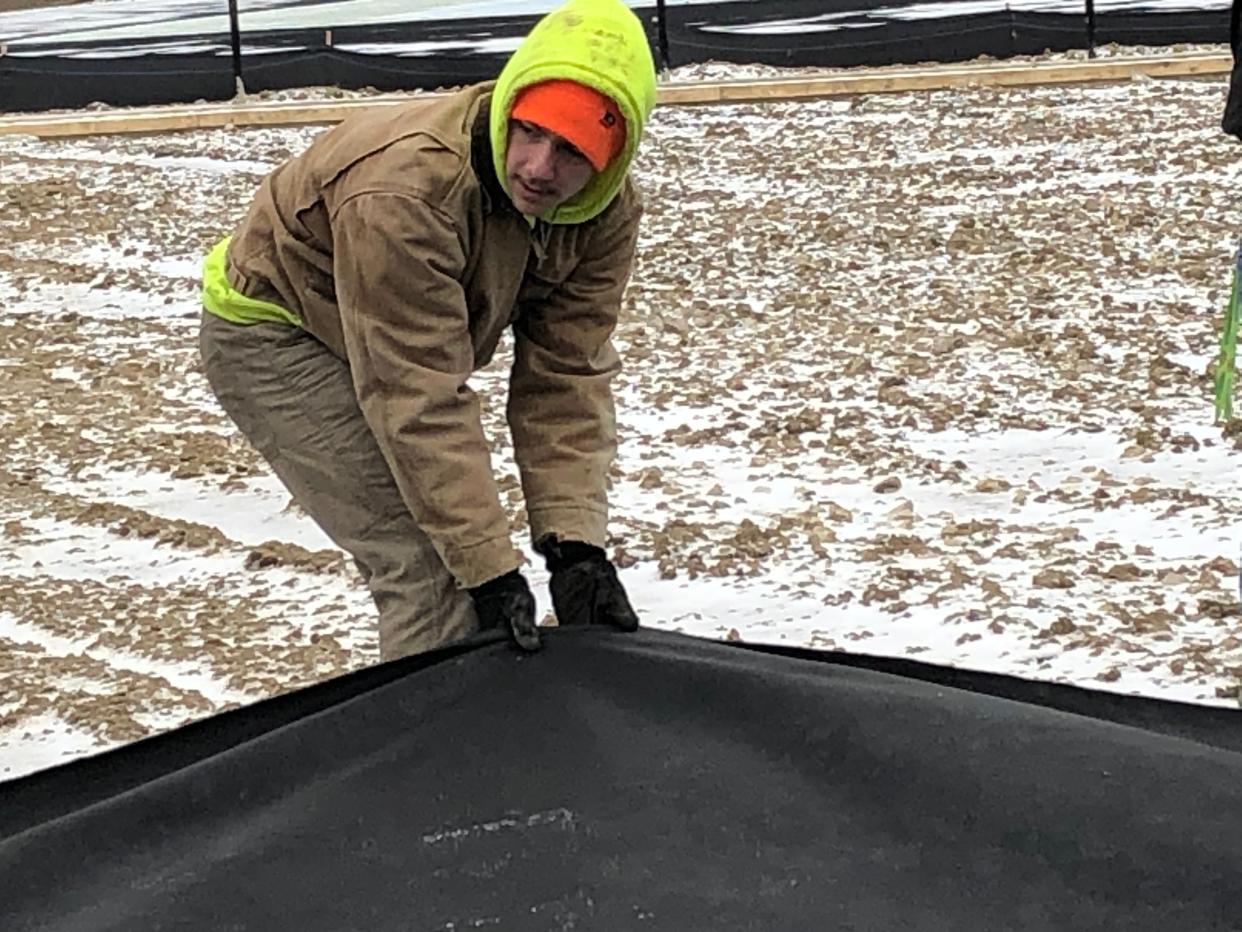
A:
[(398, 264), (560, 401)]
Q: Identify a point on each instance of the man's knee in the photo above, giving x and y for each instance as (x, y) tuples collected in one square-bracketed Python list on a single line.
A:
[(420, 605), (416, 630)]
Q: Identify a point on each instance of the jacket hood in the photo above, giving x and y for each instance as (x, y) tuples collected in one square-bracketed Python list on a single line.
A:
[(599, 43)]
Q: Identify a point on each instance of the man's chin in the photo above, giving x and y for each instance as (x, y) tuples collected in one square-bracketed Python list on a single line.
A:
[(528, 204)]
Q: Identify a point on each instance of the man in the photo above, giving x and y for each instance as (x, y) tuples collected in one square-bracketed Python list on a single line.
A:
[(376, 271)]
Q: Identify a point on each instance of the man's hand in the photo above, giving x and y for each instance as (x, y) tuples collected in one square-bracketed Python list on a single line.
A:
[(584, 585), (506, 602)]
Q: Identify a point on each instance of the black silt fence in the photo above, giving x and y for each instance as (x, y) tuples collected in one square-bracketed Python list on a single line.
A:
[(840, 33), (1125, 28), (53, 82)]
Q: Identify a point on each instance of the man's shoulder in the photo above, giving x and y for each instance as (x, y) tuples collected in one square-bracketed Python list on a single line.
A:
[(626, 207), (420, 149)]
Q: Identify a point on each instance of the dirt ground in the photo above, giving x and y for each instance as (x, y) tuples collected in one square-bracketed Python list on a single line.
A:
[(933, 368)]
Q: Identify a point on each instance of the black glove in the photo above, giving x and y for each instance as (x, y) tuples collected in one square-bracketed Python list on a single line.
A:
[(506, 602), (584, 585)]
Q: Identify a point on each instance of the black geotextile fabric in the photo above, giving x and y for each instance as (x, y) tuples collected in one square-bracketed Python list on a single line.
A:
[(645, 781)]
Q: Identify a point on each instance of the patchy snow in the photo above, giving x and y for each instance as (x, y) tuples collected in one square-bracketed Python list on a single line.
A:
[(918, 375), (42, 740)]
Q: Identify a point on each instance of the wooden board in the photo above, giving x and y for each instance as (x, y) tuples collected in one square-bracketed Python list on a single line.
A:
[(852, 81)]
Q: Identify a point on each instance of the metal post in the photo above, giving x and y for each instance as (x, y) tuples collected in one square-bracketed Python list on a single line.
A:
[(662, 34), (235, 39), (1091, 28)]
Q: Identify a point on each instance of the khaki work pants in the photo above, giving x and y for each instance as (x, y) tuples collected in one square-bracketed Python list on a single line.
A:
[(295, 402)]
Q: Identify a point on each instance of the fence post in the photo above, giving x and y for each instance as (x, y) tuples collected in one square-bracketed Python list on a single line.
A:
[(235, 41), (1091, 28), (662, 34)]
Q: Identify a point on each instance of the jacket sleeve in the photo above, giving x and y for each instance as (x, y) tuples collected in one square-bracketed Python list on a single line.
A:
[(398, 264), (561, 412)]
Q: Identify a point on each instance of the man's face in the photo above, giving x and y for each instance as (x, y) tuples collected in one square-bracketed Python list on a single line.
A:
[(542, 170)]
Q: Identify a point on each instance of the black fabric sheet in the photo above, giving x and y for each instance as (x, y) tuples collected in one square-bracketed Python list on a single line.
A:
[(646, 781)]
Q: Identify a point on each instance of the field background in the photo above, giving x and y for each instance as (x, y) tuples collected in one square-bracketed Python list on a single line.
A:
[(922, 375)]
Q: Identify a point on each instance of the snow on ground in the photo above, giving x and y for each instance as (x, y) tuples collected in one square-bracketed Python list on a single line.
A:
[(919, 375)]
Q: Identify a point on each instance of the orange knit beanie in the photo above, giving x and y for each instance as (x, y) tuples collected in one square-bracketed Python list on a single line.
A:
[(581, 115)]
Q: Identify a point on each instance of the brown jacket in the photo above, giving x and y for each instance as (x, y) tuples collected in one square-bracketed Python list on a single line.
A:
[(393, 242)]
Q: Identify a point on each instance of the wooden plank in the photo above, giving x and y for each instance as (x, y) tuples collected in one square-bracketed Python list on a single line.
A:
[(926, 79), (848, 82)]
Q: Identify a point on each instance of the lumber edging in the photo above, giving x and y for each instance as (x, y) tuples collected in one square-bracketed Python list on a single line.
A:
[(853, 81)]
